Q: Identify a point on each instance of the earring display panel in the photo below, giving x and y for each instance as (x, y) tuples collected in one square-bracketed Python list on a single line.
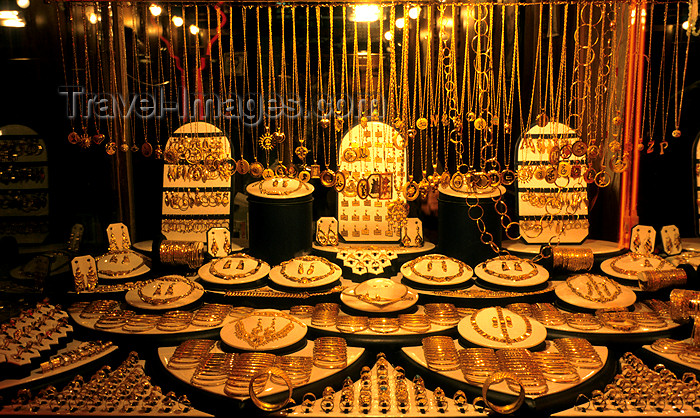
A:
[(375, 170), (196, 182), (552, 184)]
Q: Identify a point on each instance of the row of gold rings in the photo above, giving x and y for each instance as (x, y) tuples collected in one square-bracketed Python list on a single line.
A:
[(85, 350), (440, 353), (330, 353)]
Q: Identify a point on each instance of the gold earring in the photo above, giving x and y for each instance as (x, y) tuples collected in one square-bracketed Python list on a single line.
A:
[(227, 265), (126, 243), (332, 236), (125, 260), (430, 265), (241, 265), (321, 237), (494, 321), (300, 270), (169, 291), (113, 259), (227, 245), (214, 247), (516, 266), (158, 290), (311, 269), (112, 242), (504, 266), (509, 322), (418, 240), (444, 266), (91, 278)]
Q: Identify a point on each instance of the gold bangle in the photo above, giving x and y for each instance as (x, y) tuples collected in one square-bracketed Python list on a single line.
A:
[(498, 377), (265, 406)]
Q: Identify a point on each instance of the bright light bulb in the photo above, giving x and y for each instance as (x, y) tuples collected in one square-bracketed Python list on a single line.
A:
[(177, 21), (194, 29), (387, 35), (366, 13), (400, 22), (155, 9), (414, 12), (23, 3), (92, 18), (685, 25)]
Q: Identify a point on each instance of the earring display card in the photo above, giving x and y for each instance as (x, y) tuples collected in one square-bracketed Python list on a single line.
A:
[(84, 273), (76, 235), (552, 185), (642, 239), (372, 160), (196, 182), (118, 237), (671, 240), (412, 233), (219, 242), (327, 231)]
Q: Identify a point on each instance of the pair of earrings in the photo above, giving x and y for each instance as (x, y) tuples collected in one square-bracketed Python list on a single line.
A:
[(329, 238), (496, 322), (443, 265), (85, 280), (159, 290), (309, 271), (215, 246), (416, 242)]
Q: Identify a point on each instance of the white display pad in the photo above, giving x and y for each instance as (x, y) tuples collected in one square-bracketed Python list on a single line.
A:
[(416, 354), (218, 242), (157, 289), (234, 269), (598, 288), (597, 246), (671, 240), (436, 270), (251, 332), (379, 295), (327, 231), (506, 267), (627, 266), (122, 264), (539, 149), (317, 374), (524, 332), (84, 273), (369, 158), (688, 257), (118, 237), (642, 239), (300, 273)]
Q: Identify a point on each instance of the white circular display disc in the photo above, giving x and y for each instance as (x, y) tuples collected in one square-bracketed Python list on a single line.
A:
[(348, 298), (263, 330), (123, 264), (511, 271), (437, 270), (167, 292), (496, 327), (234, 269), (628, 265), (305, 272), (600, 287)]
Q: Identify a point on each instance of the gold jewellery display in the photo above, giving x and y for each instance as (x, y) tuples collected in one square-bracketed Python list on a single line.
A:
[(502, 323), (597, 288), (164, 292), (261, 335), (440, 264), (305, 268), (234, 267), (523, 269)]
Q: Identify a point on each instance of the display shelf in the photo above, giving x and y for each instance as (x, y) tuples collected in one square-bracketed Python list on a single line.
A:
[(317, 374), (599, 247), (417, 356)]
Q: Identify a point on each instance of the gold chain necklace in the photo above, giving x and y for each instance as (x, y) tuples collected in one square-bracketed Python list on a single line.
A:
[(259, 335), (597, 291), (227, 263), (517, 266)]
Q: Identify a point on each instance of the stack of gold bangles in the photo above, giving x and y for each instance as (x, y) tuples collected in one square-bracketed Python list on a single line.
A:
[(351, 324), (498, 377), (579, 352), (477, 364), (189, 253), (440, 353), (418, 323), (190, 353), (572, 259), (302, 311), (653, 280), (442, 314), (684, 304), (325, 314), (330, 353), (519, 361), (547, 314), (556, 368), (297, 368), (384, 325), (213, 369), (245, 367)]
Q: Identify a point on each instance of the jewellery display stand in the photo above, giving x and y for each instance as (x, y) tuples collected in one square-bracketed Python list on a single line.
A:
[(24, 185), (458, 235), (222, 247), (271, 388), (551, 164), (196, 182), (375, 171), (416, 355), (474, 291), (671, 240), (435, 405), (84, 273), (271, 205), (599, 247)]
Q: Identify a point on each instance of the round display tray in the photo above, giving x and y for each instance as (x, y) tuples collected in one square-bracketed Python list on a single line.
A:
[(241, 269), (125, 264), (437, 270), (633, 264), (688, 257), (277, 188), (583, 285), (674, 357), (263, 330), (190, 291), (496, 327), (690, 244), (299, 273), (417, 356), (317, 374), (144, 246), (599, 247), (526, 267), (406, 301)]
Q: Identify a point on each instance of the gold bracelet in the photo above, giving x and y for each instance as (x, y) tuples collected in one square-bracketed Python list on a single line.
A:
[(498, 377)]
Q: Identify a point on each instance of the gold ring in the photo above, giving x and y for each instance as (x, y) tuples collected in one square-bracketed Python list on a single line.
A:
[(265, 406), (498, 377)]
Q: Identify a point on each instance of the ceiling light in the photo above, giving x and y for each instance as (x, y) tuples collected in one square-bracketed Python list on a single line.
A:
[(177, 21), (155, 9), (366, 13)]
